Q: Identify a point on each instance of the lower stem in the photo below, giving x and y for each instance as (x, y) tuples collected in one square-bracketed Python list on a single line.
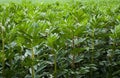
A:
[(73, 59), (3, 44), (110, 68), (33, 75), (55, 67), (92, 54)]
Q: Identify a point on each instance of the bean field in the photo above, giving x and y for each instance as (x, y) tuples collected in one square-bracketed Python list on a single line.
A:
[(60, 39)]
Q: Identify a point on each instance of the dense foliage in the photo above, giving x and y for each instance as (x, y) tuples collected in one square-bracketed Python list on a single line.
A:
[(56, 40)]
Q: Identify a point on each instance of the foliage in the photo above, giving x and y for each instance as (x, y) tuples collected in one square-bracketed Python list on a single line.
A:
[(57, 40)]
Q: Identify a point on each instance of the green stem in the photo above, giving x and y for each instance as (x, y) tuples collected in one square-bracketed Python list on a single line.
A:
[(33, 57), (112, 56), (92, 54), (55, 63), (73, 60), (93, 46), (3, 44), (114, 47), (110, 68)]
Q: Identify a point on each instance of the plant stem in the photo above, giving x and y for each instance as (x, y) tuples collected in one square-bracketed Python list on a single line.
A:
[(73, 46), (92, 54), (110, 68), (112, 56), (3, 44), (93, 46), (55, 63), (33, 57)]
